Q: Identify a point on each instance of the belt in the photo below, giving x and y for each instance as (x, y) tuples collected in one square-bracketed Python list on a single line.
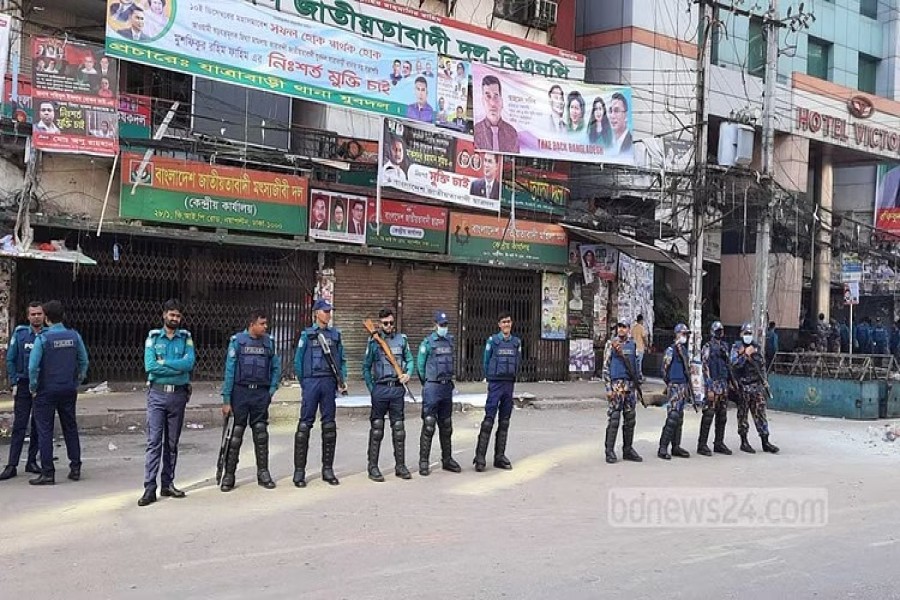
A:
[(168, 389), (389, 383), (440, 381), (252, 386)]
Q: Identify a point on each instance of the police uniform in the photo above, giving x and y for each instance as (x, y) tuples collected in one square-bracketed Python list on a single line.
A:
[(752, 394), (675, 374), (20, 346), (436, 369), (387, 398), (880, 338), (57, 365), (715, 358), (502, 358), (620, 395), (319, 391), (252, 375)]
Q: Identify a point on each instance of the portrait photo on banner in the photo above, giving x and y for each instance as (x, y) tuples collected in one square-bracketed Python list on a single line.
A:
[(453, 94), (337, 217), (598, 262)]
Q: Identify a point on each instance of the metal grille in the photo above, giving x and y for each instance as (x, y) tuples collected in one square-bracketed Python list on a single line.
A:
[(114, 304)]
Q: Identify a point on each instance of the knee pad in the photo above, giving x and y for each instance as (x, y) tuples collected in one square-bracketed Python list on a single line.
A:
[(237, 436), (428, 424), (377, 429), (398, 428), (302, 430), (261, 432), (329, 431), (503, 424), (446, 425)]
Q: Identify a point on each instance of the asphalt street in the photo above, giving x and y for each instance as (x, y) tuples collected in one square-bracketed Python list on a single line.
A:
[(542, 530)]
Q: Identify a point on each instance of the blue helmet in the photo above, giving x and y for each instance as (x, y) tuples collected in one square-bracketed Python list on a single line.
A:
[(747, 327), (716, 326), (681, 328)]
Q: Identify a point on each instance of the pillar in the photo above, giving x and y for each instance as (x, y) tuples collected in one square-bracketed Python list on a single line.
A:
[(7, 309), (825, 198)]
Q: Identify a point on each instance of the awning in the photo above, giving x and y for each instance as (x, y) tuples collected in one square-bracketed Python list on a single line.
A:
[(63, 256), (632, 247)]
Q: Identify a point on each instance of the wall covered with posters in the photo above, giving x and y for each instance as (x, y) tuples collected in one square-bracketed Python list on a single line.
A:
[(635, 291)]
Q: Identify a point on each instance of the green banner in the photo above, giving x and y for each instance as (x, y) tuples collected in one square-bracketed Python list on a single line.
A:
[(407, 226), (496, 241)]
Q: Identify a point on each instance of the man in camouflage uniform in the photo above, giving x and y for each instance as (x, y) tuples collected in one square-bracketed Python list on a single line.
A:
[(715, 356), (676, 374), (748, 369), (620, 393)]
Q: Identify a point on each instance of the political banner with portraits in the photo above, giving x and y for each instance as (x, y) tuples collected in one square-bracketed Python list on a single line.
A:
[(438, 165), (553, 306), (251, 46), (598, 262), (515, 113), (337, 217), (74, 97), (452, 94)]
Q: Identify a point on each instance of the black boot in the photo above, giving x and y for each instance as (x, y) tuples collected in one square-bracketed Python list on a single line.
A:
[(75, 472), (232, 456), (32, 467), (445, 428), (766, 446), (148, 498), (301, 448), (329, 443), (376, 434), (500, 460), (628, 452), (48, 478), (745, 445), (8, 473), (398, 436), (719, 446), (484, 438), (261, 446), (428, 424), (705, 423), (668, 433), (612, 431), (677, 450)]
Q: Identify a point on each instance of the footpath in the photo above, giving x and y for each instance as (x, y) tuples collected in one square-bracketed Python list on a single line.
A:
[(121, 408)]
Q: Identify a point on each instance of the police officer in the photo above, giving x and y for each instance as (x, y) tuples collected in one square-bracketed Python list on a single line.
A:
[(744, 355), (319, 391), (715, 355), (864, 337), (387, 392), (675, 374), (168, 359), (823, 332), (58, 363), (436, 368), (252, 375), (880, 338), (502, 357), (20, 345), (620, 392)]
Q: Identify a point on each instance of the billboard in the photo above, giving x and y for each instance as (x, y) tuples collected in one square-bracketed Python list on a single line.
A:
[(887, 198), (338, 217), (493, 240)]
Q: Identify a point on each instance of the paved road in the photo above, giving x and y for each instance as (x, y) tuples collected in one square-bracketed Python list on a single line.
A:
[(539, 531)]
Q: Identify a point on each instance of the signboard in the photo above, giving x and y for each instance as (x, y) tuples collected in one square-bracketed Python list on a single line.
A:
[(851, 267), (338, 217), (440, 166), (598, 262), (452, 94), (887, 198), (406, 26), (243, 44), (134, 116), (537, 192), (195, 193), (486, 238), (530, 116), (851, 293), (407, 226), (553, 306), (75, 97)]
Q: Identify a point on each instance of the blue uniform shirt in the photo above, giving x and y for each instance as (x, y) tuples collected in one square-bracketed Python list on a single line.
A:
[(231, 364), (442, 365), (37, 355), (337, 350), (374, 353), (20, 345), (176, 354), (509, 356)]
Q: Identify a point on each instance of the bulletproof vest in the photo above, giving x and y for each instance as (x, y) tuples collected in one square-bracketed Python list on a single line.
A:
[(314, 362), (384, 371), (677, 373), (617, 367), (439, 366), (254, 360), (718, 355), (504, 362), (746, 374), (879, 336), (59, 363), (25, 342)]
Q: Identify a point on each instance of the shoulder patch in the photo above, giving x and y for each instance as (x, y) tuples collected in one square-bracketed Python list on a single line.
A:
[(20, 328), (185, 332), (232, 352)]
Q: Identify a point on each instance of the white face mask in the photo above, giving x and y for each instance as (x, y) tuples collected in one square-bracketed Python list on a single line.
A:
[(442, 331), (747, 338), (682, 339)]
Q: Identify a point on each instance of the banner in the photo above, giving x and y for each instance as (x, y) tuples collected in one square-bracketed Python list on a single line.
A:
[(545, 192), (553, 306), (407, 226), (338, 217), (484, 238), (581, 356), (243, 44), (452, 94), (887, 198), (5, 28), (135, 116), (440, 166), (195, 193), (581, 308), (75, 97), (851, 267), (598, 262), (531, 116)]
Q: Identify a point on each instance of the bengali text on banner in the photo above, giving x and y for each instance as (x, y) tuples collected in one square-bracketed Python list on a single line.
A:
[(408, 226), (501, 241)]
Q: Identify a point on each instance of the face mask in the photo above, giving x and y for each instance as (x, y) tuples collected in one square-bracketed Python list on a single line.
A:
[(719, 333), (442, 331), (747, 338), (682, 339), (172, 324)]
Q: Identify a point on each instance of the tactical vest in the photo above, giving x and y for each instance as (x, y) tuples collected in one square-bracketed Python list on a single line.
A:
[(617, 367), (504, 362), (384, 371), (676, 368), (746, 374), (254, 360), (314, 362), (718, 368), (25, 343), (59, 363), (439, 365)]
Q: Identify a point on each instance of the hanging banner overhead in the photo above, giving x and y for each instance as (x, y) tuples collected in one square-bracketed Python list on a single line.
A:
[(74, 98), (407, 226), (486, 238), (887, 198), (5, 28), (440, 166), (243, 44), (453, 94), (515, 113), (134, 116)]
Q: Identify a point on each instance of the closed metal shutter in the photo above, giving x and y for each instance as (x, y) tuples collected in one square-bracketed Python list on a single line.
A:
[(425, 289), (361, 289)]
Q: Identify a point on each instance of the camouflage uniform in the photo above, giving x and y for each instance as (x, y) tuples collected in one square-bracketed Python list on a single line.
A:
[(752, 396), (676, 374), (715, 406), (620, 393)]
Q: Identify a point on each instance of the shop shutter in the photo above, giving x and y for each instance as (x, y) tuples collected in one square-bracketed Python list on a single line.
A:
[(361, 289), (424, 290)]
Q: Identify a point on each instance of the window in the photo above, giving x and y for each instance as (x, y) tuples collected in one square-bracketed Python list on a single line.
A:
[(868, 8), (868, 67), (163, 87), (756, 48), (818, 58)]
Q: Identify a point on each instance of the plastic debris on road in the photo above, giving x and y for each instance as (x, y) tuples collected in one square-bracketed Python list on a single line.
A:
[(103, 388)]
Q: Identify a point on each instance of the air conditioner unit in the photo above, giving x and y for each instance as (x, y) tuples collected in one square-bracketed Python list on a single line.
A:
[(515, 11), (543, 13)]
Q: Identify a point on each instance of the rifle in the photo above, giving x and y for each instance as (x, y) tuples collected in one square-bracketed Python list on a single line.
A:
[(762, 379), (687, 371), (732, 380), (227, 434), (329, 357), (630, 369), (370, 327)]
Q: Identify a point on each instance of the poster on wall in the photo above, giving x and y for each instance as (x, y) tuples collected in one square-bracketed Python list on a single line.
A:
[(887, 198), (452, 94), (635, 291), (581, 357), (601, 311), (581, 308), (598, 262), (554, 300), (337, 217)]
